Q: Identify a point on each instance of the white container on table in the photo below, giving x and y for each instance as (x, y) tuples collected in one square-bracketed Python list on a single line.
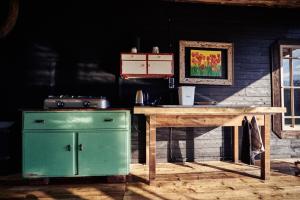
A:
[(186, 95)]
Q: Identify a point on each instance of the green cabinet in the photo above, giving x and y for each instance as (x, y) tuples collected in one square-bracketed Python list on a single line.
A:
[(48, 154), (112, 153), (76, 143)]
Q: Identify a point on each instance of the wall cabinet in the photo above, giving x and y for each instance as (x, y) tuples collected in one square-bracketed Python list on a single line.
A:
[(72, 143), (146, 65)]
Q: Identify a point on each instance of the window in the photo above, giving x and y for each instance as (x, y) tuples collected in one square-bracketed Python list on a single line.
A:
[(286, 89), (290, 86)]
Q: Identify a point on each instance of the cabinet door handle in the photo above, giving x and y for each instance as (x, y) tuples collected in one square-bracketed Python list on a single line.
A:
[(39, 121), (80, 147), (108, 120), (68, 147)]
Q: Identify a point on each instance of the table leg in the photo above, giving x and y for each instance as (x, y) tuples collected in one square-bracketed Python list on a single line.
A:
[(147, 139), (235, 143), (152, 147), (265, 159)]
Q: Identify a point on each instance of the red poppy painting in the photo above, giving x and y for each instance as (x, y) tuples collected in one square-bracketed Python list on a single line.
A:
[(206, 63)]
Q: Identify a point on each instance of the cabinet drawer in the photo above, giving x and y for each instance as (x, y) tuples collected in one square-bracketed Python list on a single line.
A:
[(133, 56), (160, 57), (75, 120)]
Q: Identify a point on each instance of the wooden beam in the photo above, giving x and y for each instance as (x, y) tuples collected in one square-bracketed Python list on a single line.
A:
[(152, 147), (276, 88), (147, 139), (260, 3), (206, 110), (196, 120), (235, 145), (265, 159)]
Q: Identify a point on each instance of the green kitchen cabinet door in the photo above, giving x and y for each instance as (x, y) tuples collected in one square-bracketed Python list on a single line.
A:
[(48, 154), (103, 153)]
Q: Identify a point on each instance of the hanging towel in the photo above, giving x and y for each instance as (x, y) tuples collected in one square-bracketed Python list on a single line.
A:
[(252, 144), (257, 146), (246, 142)]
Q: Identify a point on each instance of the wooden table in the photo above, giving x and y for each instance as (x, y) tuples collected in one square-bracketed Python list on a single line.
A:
[(206, 116)]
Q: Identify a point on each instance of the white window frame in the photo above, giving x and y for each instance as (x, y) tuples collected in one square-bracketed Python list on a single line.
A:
[(293, 126)]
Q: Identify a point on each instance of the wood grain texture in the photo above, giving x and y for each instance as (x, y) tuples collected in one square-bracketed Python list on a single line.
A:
[(202, 120), (152, 147), (276, 90), (235, 144), (187, 181), (290, 134), (265, 159), (147, 139), (262, 3), (182, 118), (207, 110)]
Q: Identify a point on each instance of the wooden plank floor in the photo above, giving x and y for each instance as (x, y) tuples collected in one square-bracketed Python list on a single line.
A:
[(205, 180)]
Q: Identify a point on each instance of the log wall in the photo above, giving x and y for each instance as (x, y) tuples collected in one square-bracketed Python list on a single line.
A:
[(61, 48)]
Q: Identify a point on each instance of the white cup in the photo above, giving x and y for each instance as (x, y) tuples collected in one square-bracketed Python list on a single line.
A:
[(155, 50)]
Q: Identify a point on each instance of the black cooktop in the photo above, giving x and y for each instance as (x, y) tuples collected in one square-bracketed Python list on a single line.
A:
[(74, 97)]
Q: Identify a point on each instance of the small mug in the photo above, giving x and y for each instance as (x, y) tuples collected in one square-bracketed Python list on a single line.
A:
[(155, 50), (133, 50)]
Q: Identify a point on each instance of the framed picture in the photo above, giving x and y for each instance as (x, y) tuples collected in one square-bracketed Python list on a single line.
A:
[(206, 62)]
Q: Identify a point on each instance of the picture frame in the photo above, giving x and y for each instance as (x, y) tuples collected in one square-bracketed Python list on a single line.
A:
[(208, 63)]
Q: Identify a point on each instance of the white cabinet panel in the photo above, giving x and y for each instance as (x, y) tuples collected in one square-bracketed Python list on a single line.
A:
[(134, 67), (160, 67), (146, 65)]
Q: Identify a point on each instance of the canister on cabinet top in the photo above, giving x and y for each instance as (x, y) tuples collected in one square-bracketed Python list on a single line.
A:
[(155, 49)]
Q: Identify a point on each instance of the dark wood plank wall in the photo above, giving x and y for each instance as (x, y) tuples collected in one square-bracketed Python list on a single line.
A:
[(253, 31), (61, 48)]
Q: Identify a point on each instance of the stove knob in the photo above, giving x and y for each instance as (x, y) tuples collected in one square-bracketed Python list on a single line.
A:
[(60, 104), (86, 104)]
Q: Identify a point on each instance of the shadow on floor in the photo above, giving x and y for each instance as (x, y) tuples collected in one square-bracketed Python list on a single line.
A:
[(16, 187), (283, 167), (227, 170)]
